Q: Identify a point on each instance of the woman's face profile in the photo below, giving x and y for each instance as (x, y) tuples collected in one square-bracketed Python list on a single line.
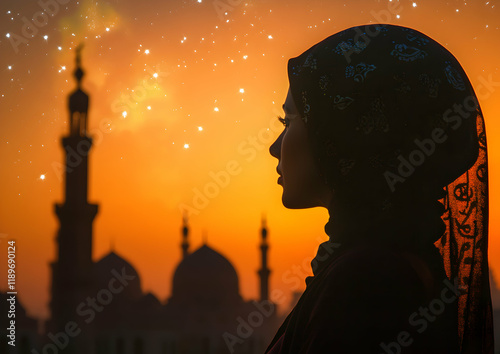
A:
[(303, 186)]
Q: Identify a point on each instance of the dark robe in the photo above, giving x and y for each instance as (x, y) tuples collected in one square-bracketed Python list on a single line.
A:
[(373, 299)]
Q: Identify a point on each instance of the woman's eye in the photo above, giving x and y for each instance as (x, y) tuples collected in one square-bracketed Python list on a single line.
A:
[(285, 121)]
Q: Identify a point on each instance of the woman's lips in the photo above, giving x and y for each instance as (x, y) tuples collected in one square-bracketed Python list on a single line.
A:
[(280, 180)]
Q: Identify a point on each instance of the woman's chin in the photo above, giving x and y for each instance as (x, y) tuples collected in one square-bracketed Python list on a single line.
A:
[(290, 202)]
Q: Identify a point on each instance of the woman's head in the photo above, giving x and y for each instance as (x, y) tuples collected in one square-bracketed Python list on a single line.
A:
[(392, 124), (303, 185), (390, 116)]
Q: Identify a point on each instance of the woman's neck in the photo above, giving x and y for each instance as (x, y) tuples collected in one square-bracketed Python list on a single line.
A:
[(413, 225)]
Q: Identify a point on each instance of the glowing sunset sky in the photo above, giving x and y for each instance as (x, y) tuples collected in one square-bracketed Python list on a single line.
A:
[(180, 91)]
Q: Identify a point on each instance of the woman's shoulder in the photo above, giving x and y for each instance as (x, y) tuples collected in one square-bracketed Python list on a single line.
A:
[(368, 299), (377, 274), (368, 293), (378, 260)]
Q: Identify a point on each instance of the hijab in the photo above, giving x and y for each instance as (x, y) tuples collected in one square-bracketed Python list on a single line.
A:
[(399, 137)]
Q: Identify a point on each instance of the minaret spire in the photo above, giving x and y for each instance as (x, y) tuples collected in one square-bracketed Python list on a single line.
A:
[(204, 237), (78, 73), (78, 101), (264, 271), (185, 233)]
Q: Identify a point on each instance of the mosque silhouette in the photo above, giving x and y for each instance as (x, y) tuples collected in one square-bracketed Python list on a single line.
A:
[(99, 307)]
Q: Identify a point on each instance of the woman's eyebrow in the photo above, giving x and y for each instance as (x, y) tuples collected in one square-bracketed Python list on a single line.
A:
[(284, 109)]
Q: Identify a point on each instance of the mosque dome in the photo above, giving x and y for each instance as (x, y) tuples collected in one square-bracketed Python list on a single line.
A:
[(105, 270), (207, 279)]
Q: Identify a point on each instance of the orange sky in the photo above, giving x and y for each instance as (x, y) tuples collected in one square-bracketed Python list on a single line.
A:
[(223, 73)]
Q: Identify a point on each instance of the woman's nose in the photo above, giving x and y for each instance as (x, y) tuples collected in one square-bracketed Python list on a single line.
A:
[(275, 148)]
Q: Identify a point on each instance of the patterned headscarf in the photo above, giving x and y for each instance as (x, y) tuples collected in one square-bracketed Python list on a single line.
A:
[(395, 126)]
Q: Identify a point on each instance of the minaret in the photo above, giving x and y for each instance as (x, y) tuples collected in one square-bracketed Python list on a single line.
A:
[(185, 233), (72, 270), (204, 237), (264, 271)]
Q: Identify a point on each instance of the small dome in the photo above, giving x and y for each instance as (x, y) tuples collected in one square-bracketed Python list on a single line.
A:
[(23, 320), (205, 278), (105, 270), (20, 310)]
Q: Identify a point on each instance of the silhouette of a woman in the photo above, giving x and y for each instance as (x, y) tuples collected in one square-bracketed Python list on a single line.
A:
[(383, 128)]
